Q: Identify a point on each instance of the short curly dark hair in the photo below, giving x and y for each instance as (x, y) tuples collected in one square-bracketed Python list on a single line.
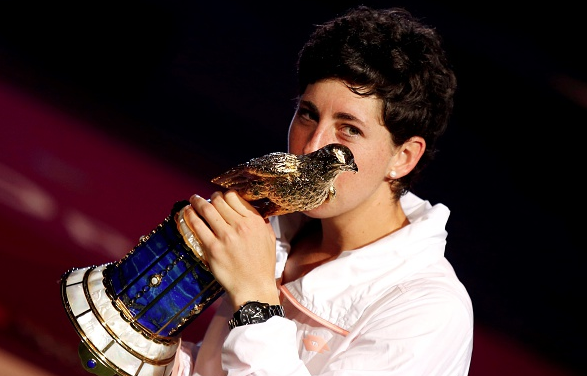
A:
[(392, 55)]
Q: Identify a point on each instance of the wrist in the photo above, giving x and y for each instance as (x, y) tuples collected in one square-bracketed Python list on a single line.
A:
[(268, 295)]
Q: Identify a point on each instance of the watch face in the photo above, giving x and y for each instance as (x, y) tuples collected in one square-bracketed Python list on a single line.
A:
[(253, 313)]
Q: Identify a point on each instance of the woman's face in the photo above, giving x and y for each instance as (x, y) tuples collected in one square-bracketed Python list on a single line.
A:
[(328, 112)]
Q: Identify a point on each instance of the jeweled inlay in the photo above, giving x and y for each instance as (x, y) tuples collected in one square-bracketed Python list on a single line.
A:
[(155, 280)]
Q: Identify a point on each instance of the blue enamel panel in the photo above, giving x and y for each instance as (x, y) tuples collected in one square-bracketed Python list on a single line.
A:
[(160, 282)]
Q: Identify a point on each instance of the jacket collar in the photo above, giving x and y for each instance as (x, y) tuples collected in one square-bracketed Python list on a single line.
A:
[(339, 291)]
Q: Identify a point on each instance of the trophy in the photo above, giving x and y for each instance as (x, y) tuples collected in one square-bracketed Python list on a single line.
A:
[(130, 313)]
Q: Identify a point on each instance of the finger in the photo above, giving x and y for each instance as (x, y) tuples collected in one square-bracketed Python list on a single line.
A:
[(203, 218), (239, 204), (228, 206), (201, 230), (189, 215)]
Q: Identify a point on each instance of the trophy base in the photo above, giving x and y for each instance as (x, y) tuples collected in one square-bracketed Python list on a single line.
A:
[(110, 345)]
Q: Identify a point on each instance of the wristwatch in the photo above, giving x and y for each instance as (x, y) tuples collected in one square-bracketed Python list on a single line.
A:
[(254, 312)]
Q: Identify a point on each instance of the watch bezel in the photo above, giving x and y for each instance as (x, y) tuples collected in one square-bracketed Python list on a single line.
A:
[(253, 313)]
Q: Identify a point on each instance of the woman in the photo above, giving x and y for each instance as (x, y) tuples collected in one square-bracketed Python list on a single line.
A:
[(363, 287)]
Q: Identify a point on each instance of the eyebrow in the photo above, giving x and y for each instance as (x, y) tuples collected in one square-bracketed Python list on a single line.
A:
[(337, 115)]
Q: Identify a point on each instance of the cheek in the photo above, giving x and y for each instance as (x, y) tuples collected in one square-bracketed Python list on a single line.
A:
[(369, 178), (295, 147), (294, 141), (372, 165)]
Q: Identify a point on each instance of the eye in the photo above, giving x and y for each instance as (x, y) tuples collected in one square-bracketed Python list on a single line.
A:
[(351, 131), (307, 114)]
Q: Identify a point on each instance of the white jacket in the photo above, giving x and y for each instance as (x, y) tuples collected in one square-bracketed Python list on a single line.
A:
[(393, 307)]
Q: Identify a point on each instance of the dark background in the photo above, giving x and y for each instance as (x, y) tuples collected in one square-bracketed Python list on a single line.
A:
[(202, 86)]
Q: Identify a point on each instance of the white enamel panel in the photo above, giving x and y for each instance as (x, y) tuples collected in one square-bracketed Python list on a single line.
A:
[(96, 334), (123, 359), (76, 299), (149, 370), (76, 276)]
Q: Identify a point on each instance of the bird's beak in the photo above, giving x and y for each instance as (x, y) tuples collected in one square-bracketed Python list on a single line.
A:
[(351, 167)]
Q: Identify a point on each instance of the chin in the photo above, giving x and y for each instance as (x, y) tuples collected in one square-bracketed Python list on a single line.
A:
[(321, 212)]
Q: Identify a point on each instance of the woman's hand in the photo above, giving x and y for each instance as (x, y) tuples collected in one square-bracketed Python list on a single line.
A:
[(239, 246)]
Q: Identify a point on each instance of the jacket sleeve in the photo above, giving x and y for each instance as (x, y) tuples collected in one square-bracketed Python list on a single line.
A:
[(263, 349)]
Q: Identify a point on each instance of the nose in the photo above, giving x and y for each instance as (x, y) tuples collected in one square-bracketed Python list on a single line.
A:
[(317, 139)]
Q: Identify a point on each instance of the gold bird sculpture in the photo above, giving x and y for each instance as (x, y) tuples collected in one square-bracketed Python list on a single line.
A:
[(280, 183)]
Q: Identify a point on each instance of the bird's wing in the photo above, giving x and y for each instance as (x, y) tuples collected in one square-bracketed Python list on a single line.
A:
[(237, 178), (275, 165), (259, 169)]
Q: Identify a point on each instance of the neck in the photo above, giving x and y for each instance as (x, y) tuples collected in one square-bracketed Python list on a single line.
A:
[(361, 227), (366, 224)]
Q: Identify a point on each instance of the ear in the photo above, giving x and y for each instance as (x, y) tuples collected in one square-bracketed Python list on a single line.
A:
[(407, 156)]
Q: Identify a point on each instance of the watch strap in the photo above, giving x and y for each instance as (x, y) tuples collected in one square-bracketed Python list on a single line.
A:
[(268, 312)]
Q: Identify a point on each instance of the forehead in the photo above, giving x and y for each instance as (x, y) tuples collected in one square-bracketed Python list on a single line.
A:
[(335, 96)]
